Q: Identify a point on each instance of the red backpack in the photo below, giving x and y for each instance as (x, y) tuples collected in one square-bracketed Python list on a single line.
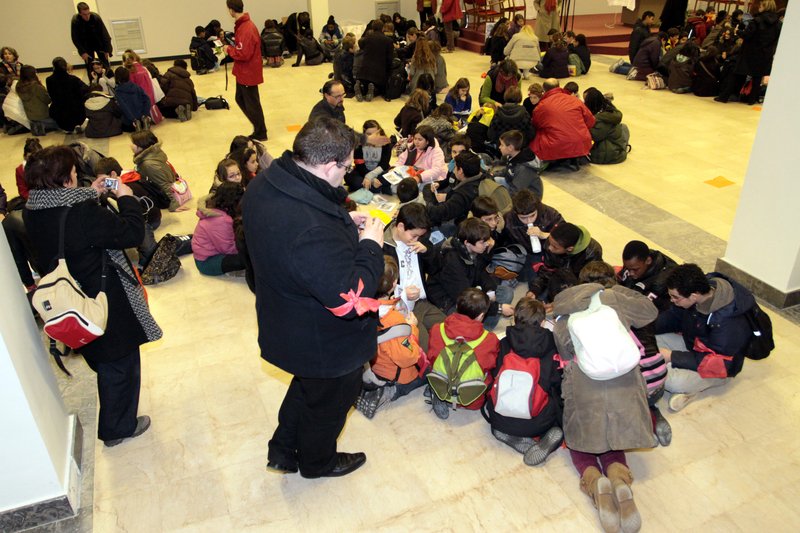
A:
[(516, 392)]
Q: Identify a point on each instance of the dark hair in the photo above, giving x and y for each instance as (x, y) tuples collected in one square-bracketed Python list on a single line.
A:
[(512, 95), (721, 16), (662, 36), (180, 63), (472, 303), (648, 14), (529, 312), (82, 6), (59, 64), (691, 51), (198, 30), (581, 39), (348, 43), (473, 231), (107, 165), (144, 139), (414, 216), (444, 111), (412, 31), (500, 28), (484, 206), (598, 272), (239, 142), (427, 133), (407, 190), (221, 174), (525, 202), (469, 163), (514, 139), (391, 272), (595, 101), (121, 75), (509, 68), (372, 124), (236, 5), (572, 87), (462, 139), (32, 144), (376, 25), (27, 76), (329, 85), (558, 281), (242, 156), (323, 141), (227, 197), (462, 83), (687, 279), (50, 168), (9, 49), (426, 83), (566, 234), (635, 250)]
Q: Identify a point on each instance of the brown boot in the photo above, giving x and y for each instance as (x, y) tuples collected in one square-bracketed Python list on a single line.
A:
[(621, 479), (599, 489)]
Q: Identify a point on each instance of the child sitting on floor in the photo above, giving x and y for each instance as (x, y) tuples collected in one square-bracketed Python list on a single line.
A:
[(214, 242), (394, 372)]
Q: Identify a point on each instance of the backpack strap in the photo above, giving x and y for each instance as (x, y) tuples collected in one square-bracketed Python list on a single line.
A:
[(394, 332)]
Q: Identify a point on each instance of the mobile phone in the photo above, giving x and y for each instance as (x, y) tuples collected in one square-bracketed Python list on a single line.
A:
[(111, 184)]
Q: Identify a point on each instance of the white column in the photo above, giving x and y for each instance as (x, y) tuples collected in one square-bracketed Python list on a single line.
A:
[(765, 242), (36, 439), (319, 11)]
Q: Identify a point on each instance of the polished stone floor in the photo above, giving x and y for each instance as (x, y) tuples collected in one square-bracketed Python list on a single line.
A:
[(734, 461)]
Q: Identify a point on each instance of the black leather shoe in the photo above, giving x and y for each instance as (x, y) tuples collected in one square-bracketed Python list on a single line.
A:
[(345, 463), (278, 468)]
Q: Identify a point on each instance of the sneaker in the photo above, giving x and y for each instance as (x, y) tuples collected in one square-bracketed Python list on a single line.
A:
[(537, 453), (520, 444), (188, 111), (679, 401), (440, 407), (614, 67), (370, 92), (181, 112), (137, 125), (142, 425), (357, 89), (369, 402)]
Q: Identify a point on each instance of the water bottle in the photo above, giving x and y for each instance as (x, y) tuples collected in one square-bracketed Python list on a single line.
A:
[(536, 244)]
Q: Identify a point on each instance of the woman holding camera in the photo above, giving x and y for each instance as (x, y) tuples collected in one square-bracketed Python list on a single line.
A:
[(94, 238)]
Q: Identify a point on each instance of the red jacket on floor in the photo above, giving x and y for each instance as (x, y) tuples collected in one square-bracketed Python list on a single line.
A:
[(457, 325), (246, 54), (562, 126)]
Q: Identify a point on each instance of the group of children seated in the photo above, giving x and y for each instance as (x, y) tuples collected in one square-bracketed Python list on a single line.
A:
[(714, 54), (131, 98)]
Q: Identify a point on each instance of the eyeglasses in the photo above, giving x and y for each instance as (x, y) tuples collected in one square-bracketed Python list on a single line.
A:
[(348, 167)]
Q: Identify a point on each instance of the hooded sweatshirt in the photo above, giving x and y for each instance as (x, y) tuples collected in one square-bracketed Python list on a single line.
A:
[(105, 116), (521, 173)]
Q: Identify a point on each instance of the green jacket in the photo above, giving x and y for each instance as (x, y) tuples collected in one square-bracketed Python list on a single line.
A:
[(610, 145), (152, 164), (35, 100)]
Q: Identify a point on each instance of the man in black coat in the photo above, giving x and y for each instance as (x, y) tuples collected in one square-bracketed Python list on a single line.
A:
[(641, 31), (645, 270), (311, 263), (90, 36), (377, 51), (332, 103)]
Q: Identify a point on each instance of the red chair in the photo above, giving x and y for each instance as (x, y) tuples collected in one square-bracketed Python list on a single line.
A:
[(482, 11), (512, 7)]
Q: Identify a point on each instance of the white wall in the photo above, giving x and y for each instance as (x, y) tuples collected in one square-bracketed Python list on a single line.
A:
[(35, 440), (39, 29), (764, 241)]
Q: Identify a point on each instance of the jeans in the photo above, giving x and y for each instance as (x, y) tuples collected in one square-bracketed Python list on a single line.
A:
[(504, 294)]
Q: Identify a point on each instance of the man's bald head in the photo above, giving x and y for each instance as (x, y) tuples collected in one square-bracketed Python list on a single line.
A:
[(550, 84)]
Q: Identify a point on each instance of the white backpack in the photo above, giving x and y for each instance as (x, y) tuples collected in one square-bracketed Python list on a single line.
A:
[(604, 348)]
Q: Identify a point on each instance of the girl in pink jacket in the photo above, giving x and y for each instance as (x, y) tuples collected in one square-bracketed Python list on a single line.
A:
[(214, 242), (423, 153)]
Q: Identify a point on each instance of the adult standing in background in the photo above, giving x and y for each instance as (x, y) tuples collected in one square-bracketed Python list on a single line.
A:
[(451, 12), (313, 267), (90, 37), (247, 68), (426, 9)]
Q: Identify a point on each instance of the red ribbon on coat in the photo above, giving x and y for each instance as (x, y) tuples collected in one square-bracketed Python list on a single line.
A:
[(354, 301), (561, 363), (713, 364)]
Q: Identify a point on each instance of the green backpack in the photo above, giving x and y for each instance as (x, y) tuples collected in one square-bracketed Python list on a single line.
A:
[(456, 375)]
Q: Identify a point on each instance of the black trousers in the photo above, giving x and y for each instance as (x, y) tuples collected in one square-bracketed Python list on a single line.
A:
[(249, 101), (118, 384), (310, 419)]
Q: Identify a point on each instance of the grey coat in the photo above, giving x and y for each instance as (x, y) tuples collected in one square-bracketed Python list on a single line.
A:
[(600, 416)]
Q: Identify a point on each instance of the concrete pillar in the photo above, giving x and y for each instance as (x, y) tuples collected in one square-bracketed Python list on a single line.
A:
[(320, 11), (40, 473), (764, 245)]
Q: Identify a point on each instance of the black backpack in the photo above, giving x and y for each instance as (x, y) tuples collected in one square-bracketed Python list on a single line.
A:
[(164, 263), (395, 86), (762, 342), (216, 102)]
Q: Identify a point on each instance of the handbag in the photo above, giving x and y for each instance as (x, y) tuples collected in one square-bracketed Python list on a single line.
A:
[(713, 364), (655, 81), (155, 114), (69, 315), (180, 188)]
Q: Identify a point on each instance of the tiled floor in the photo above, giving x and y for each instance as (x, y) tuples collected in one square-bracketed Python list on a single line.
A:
[(732, 466)]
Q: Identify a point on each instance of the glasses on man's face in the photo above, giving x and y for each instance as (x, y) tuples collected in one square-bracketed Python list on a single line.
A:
[(347, 167)]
